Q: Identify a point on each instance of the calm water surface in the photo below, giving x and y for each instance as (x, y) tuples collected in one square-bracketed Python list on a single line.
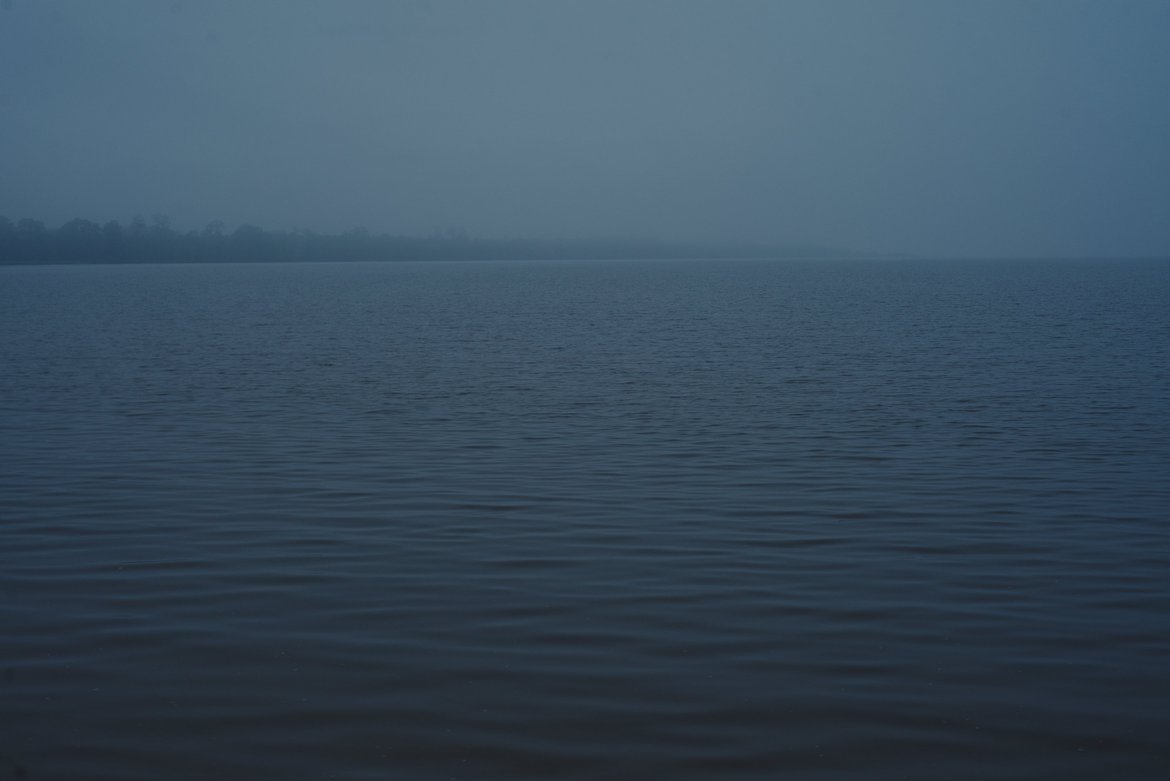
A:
[(643, 520)]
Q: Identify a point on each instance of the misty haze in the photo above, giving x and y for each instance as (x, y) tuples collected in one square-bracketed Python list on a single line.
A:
[(549, 389), (930, 128)]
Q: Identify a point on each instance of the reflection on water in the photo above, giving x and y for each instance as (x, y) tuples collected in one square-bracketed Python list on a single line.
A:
[(690, 520)]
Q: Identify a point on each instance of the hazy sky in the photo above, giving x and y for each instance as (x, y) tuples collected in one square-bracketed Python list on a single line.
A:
[(935, 127)]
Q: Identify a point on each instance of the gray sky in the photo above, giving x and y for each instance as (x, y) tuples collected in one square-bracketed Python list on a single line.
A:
[(1021, 127)]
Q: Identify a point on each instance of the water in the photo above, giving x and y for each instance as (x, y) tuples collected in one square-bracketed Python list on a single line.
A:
[(642, 520)]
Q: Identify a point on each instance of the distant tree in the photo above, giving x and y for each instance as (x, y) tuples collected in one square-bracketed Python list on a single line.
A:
[(77, 241), (137, 226), (113, 247), (7, 240), (212, 244), (300, 244), (190, 246), (32, 241), (162, 242), (249, 243), (135, 240)]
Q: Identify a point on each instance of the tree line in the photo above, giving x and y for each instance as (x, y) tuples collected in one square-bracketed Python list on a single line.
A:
[(29, 241)]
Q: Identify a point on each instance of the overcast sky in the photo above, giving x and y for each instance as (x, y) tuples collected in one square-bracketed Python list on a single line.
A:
[(929, 127)]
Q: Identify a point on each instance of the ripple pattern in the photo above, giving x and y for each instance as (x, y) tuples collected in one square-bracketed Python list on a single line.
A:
[(687, 520)]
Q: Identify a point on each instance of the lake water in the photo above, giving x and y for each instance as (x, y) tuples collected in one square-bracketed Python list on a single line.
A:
[(834, 520)]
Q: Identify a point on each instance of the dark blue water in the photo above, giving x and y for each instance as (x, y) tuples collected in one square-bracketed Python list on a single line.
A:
[(642, 520)]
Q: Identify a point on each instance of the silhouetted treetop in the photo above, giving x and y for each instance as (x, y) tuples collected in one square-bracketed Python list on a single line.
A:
[(29, 241)]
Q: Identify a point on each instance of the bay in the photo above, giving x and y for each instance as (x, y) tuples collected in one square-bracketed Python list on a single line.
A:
[(648, 519)]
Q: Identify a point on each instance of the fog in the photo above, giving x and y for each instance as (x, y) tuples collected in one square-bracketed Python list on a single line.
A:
[(933, 128)]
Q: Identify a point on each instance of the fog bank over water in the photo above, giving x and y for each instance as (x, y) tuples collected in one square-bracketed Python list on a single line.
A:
[(927, 127)]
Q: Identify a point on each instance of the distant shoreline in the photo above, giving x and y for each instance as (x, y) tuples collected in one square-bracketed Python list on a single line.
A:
[(82, 242)]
